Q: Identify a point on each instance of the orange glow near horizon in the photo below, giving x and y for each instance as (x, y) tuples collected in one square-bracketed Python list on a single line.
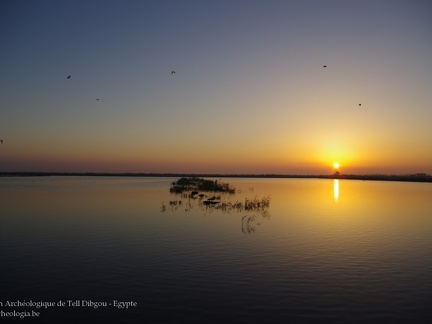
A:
[(320, 150)]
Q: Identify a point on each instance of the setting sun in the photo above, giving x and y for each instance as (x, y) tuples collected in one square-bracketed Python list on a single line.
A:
[(336, 165)]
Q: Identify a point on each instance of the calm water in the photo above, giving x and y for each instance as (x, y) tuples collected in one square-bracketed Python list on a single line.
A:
[(325, 251)]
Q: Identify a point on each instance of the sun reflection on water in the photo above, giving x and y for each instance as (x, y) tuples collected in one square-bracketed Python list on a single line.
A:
[(336, 190)]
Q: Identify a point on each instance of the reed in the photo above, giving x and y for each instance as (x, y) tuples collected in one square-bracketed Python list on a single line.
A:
[(194, 185)]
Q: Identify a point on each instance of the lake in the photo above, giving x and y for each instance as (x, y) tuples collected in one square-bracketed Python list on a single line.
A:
[(125, 249)]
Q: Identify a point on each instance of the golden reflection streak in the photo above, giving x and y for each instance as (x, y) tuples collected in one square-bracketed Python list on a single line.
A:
[(336, 189)]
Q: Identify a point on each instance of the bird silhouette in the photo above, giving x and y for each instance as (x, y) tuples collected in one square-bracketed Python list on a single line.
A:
[(173, 72), (97, 98), (1, 141), (68, 77), (359, 105), (324, 65)]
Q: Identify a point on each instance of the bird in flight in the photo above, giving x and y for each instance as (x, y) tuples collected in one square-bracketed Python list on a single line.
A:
[(1, 141), (359, 105), (173, 72), (325, 66), (97, 98), (68, 77)]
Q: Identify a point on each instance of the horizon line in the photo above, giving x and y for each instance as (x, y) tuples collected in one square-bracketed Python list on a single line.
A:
[(413, 177)]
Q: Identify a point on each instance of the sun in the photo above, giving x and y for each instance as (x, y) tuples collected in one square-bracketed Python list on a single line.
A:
[(336, 165)]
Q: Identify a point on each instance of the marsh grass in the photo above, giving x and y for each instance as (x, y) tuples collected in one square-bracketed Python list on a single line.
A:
[(249, 205), (213, 195), (194, 185)]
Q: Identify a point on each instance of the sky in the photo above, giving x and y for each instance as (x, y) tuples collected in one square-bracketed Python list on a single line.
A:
[(250, 93)]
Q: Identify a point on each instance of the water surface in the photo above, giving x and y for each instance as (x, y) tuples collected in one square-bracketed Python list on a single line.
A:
[(325, 251)]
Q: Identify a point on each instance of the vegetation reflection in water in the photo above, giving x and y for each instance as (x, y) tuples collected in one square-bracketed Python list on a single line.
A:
[(212, 195)]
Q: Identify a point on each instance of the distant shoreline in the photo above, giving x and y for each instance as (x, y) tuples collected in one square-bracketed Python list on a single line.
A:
[(417, 177)]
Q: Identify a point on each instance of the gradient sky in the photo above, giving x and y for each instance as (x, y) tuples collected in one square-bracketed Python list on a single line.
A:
[(250, 93)]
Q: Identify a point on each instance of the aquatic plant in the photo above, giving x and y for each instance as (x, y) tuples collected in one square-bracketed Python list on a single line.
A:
[(194, 185), (259, 205), (247, 225), (249, 205), (213, 195)]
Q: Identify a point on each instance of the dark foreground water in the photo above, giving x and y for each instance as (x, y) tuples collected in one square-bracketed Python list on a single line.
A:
[(326, 251)]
